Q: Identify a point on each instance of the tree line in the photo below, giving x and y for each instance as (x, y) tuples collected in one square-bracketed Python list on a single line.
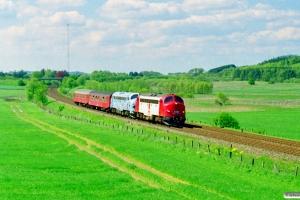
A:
[(194, 81), (185, 88), (14, 74), (280, 69)]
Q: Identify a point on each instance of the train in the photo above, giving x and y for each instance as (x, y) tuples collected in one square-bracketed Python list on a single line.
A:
[(166, 109)]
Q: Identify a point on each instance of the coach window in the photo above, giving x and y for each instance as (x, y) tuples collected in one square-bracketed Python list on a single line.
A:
[(169, 99)]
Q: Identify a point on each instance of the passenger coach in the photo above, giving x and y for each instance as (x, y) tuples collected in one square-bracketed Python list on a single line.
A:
[(82, 97), (100, 100)]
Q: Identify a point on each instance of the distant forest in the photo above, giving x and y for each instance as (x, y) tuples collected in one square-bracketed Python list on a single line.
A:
[(280, 69), (195, 81)]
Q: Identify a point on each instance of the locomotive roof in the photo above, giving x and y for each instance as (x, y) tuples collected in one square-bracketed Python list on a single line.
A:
[(124, 94), (104, 93), (155, 95), (83, 91)]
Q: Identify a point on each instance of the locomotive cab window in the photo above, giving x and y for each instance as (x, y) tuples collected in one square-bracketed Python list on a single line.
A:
[(179, 100), (134, 96), (169, 99)]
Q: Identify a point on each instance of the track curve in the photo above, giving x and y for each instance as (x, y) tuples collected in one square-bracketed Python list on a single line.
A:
[(279, 145)]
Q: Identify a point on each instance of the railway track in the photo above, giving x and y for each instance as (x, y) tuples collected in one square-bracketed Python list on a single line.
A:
[(287, 147)]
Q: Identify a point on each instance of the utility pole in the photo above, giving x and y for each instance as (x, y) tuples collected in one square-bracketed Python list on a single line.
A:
[(68, 51)]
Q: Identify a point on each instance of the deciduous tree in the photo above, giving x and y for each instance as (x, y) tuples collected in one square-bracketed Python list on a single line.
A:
[(36, 91), (221, 99)]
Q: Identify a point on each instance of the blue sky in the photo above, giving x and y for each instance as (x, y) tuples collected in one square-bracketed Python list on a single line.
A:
[(151, 35)]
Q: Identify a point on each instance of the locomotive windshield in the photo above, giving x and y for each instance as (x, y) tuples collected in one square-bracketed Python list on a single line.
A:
[(134, 96), (169, 99), (179, 100)]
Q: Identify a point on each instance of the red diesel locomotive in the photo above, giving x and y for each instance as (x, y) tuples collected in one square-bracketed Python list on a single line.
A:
[(168, 109)]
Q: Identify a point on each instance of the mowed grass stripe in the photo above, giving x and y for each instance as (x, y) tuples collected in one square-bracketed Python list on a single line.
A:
[(36, 164), (51, 129), (126, 159), (108, 159), (140, 172)]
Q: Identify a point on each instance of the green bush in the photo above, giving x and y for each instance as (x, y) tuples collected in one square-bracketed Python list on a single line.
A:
[(63, 90), (251, 81), (61, 108), (226, 120), (21, 83), (271, 81)]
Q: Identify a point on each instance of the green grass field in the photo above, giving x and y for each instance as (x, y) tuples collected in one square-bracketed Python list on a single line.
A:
[(8, 82), (47, 156), (37, 164), (263, 108)]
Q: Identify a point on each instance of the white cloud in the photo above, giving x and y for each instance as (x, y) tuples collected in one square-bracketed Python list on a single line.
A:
[(87, 40), (138, 9), (60, 18), (276, 36), (294, 22), (61, 3), (191, 5), (288, 33), (31, 11), (15, 31), (6, 5), (261, 6)]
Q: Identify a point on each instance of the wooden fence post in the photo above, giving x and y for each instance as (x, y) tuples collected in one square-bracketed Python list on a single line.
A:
[(208, 148), (241, 157), (192, 144), (296, 171), (230, 154), (275, 167), (252, 161)]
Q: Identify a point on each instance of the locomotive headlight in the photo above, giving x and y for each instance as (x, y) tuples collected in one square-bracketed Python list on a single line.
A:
[(168, 111)]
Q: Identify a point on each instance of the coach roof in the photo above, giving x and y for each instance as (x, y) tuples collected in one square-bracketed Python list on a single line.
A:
[(83, 91), (101, 93)]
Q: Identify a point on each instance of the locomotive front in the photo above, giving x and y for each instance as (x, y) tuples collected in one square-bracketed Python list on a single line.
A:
[(173, 110)]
